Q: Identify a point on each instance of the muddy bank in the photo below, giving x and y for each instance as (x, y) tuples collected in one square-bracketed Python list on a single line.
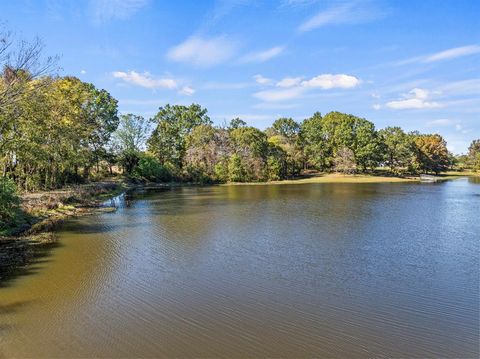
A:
[(31, 238)]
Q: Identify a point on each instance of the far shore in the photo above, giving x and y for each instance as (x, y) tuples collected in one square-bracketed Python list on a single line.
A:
[(356, 178)]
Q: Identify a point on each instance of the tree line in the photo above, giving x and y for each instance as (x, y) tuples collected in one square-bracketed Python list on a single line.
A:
[(185, 145)]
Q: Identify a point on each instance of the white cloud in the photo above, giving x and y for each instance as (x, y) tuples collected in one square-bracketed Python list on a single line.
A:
[(328, 81), (377, 106), (83, 72), (415, 99), (203, 52), (346, 13), (104, 10), (463, 87), (279, 95), (187, 90), (443, 55), (145, 80), (293, 87), (262, 56), (259, 79), (289, 82)]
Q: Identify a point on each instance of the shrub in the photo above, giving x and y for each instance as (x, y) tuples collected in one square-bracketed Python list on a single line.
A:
[(236, 170), (275, 168), (221, 171), (198, 175), (151, 169), (9, 201)]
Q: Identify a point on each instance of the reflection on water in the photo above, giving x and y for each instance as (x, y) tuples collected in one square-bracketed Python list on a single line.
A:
[(330, 270)]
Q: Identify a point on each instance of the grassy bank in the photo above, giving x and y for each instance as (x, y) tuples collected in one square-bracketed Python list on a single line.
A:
[(380, 176), (336, 178)]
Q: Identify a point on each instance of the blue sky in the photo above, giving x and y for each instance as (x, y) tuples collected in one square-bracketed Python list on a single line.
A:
[(410, 63)]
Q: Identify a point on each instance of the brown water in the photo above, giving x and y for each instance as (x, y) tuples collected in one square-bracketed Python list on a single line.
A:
[(324, 270)]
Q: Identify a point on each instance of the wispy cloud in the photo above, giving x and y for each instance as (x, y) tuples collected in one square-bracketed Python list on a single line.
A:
[(440, 122), (145, 79), (259, 79), (415, 99), (203, 52), (289, 82), (224, 7), (443, 55), (445, 122), (104, 10), (293, 87), (354, 12), (187, 90), (262, 56), (461, 88)]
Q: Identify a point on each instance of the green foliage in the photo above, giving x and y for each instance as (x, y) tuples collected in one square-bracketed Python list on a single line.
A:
[(221, 171), (314, 141), (173, 125), (9, 201), (398, 148), (237, 171), (286, 127), (57, 133), (128, 140), (129, 160), (431, 154), (151, 169), (324, 137), (474, 155), (236, 123), (344, 161)]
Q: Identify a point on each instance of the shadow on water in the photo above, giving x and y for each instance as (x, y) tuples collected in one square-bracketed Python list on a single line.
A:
[(22, 258), (8, 309), (474, 179)]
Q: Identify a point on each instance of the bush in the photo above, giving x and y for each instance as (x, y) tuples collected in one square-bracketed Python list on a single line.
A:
[(236, 170), (152, 170), (9, 201), (198, 175), (221, 171), (275, 169)]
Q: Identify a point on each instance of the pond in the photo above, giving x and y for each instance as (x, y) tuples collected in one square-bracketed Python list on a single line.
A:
[(324, 270)]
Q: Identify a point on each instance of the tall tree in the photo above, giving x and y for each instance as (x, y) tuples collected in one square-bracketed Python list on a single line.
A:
[(129, 139), (431, 154), (474, 154), (285, 134), (173, 125), (314, 142), (398, 147), (207, 148)]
